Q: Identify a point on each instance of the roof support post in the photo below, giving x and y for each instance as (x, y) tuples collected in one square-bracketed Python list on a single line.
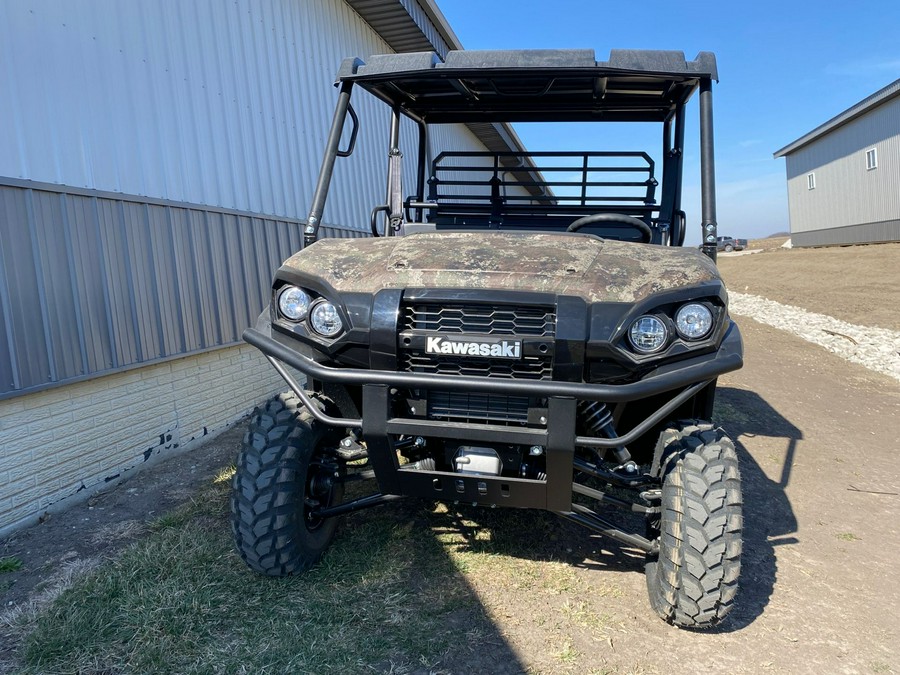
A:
[(707, 170), (311, 231), (422, 160), (395, 185), (673, 169), (677, 213)]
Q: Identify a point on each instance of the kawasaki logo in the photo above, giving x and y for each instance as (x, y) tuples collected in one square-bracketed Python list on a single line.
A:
[(504, 349)]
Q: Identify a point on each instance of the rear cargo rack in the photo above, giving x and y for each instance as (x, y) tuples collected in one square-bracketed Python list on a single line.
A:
[(537, 190), (581, 179)]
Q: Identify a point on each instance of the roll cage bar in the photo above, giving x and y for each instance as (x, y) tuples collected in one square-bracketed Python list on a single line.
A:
[(533, 85)]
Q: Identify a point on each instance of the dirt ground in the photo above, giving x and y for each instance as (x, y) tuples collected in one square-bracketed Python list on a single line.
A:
[(817, 439), (857, 284)]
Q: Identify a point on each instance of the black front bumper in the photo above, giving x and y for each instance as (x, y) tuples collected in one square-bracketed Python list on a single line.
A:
[(558, 437), (729, 357)]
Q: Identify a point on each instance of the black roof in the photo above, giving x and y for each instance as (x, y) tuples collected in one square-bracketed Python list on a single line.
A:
[(533, 85)]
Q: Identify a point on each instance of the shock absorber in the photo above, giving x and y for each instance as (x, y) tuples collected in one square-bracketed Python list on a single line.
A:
[(598, 420)]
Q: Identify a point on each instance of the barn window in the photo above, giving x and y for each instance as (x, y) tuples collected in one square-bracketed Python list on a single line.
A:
[(871, 159), (810, 181)]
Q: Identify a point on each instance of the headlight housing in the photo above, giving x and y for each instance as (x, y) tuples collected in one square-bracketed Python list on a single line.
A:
[(293, 303), (316, 314), (693, 321), (648, 334), (325, 319)]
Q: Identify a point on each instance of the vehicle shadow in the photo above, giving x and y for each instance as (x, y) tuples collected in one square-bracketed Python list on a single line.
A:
[(535, 535), (769, 519), (405, 540)]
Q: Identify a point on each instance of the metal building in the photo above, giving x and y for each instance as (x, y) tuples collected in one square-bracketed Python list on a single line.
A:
[(156, 161), (843, 176)]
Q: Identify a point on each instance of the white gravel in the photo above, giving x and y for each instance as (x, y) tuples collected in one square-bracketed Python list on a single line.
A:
[(875, 348)]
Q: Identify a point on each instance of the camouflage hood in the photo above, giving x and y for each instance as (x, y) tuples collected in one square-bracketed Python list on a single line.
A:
[(566, 264)]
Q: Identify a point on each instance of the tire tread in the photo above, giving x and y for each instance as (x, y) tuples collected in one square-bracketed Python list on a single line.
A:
[(267, 490), (694, 579)]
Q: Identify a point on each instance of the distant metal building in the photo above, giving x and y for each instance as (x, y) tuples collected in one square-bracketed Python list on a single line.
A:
[(844, 176), (156, 161)]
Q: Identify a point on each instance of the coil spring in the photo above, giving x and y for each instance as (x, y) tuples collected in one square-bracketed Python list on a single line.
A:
[(596, 416), (598, 420)]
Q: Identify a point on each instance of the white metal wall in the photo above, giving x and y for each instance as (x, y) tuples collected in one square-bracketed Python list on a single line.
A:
[(218, 103), (846, 194)]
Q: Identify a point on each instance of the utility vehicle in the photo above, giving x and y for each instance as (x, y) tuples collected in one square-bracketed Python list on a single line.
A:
[(522, 329)]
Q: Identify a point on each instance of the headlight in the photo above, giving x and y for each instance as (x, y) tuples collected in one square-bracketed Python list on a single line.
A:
[(693, 321), (325, 319), (293, 303), (648, 334)]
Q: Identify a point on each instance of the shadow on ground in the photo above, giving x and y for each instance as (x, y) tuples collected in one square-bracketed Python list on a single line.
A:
[(769, 519), (173, 596)]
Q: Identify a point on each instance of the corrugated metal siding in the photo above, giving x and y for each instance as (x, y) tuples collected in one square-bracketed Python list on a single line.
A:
[(104, 283), (441, 138), (868, 233), (846, 193), (223, 104)]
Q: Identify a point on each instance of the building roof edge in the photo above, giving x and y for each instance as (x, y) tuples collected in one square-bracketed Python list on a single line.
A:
[(878, 98)]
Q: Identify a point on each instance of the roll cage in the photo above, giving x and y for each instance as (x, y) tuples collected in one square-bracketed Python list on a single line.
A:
[(487, 87)]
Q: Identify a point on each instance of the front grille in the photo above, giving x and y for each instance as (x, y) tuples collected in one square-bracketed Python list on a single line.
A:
[(464, 407), (471, 319), (527, 368), (480, 319)]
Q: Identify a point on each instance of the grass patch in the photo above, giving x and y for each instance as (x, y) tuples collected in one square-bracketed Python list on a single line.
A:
[(405, 588), (386, 597), (725, 414), (847, 536), (568, 654), (121, 531), (582, 614), (10, 563)]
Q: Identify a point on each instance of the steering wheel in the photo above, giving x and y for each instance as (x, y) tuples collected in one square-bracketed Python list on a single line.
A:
[(614, 219)]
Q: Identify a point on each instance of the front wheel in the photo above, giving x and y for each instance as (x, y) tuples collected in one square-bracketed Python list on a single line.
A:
[(728, 248), (693, 580), (284, 472)]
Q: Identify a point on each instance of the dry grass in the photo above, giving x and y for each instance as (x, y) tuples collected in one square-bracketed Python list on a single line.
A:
[(181, 601), (123, 530), (17, 622), (389, 596), (403, 589), (767, 244)]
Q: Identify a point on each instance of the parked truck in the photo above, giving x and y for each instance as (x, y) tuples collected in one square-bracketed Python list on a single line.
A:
[(729, 244)]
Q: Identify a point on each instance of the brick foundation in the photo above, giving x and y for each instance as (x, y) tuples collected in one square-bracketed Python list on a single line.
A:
[(62, 445)]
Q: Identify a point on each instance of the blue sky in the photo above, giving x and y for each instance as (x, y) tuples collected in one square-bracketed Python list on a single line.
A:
[(785, 68)]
